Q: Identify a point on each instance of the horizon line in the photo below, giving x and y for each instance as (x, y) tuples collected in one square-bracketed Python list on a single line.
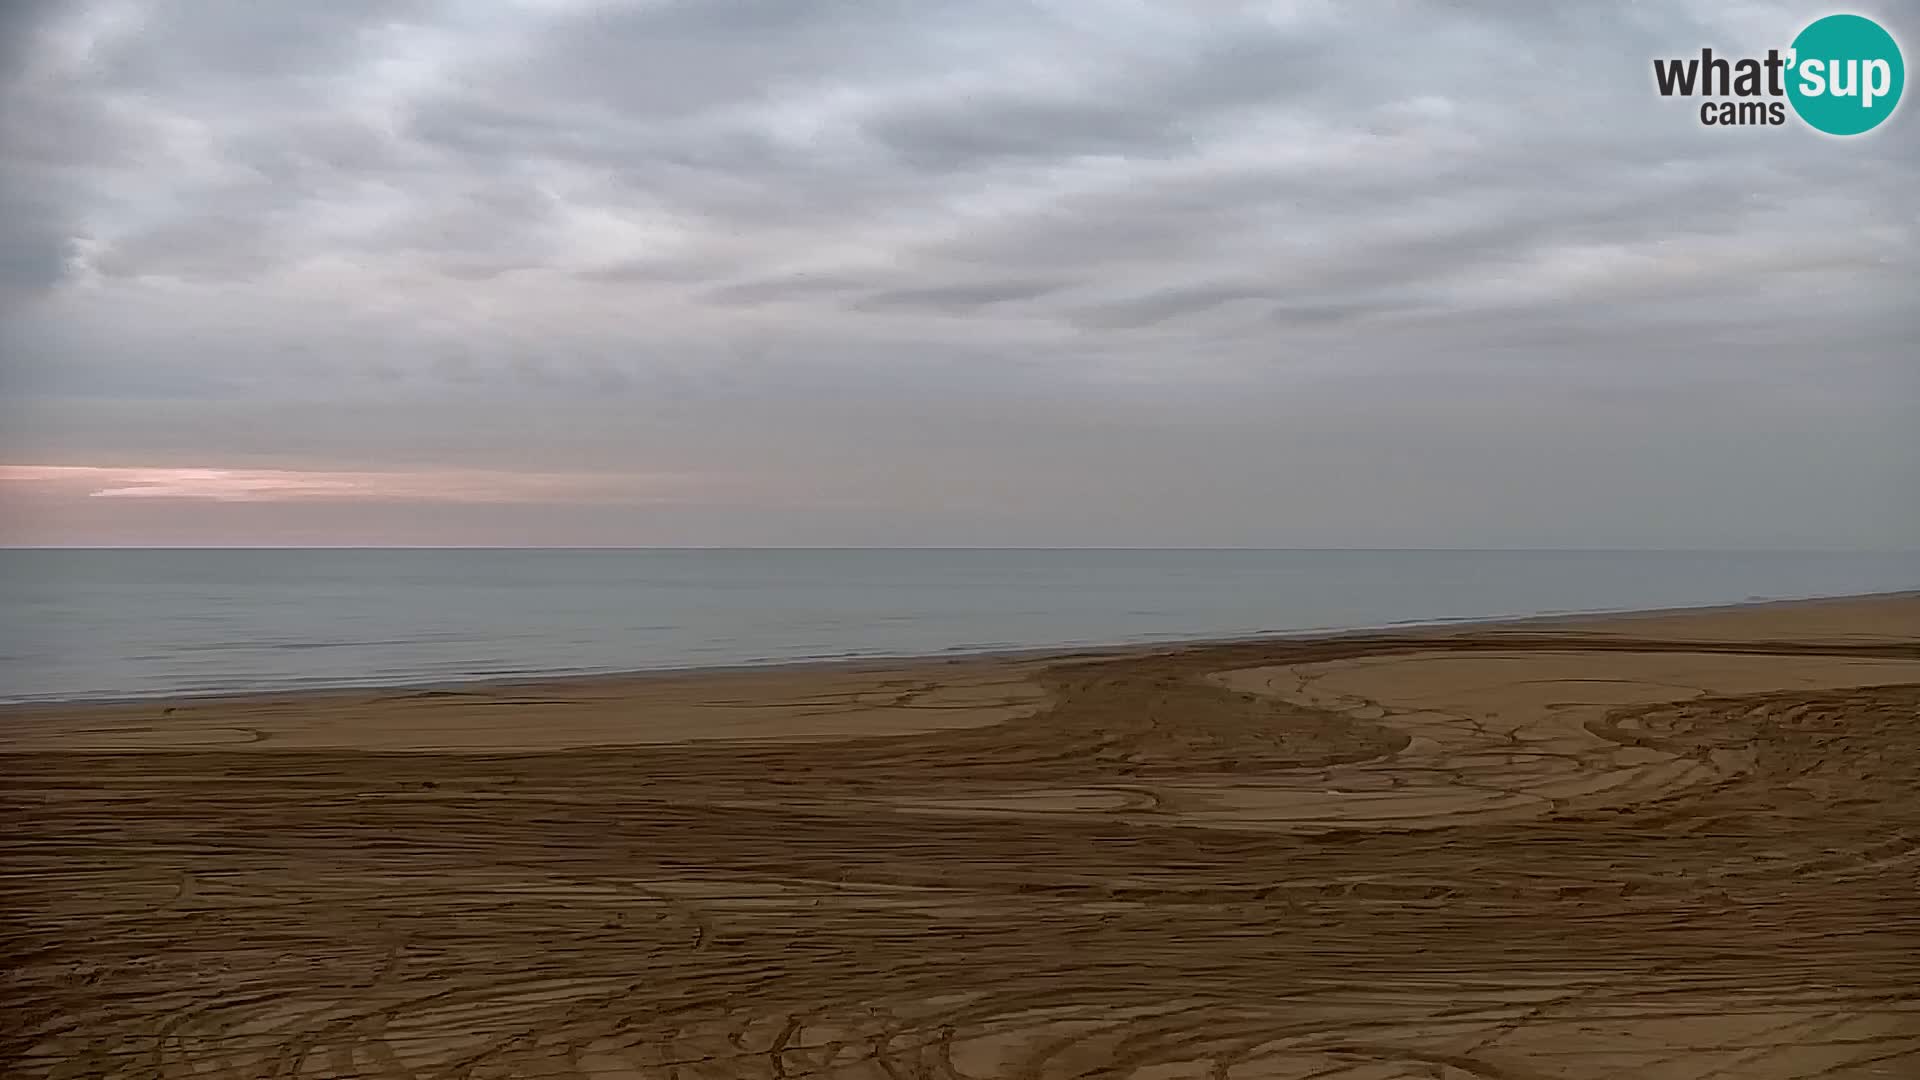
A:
[(955, 547)]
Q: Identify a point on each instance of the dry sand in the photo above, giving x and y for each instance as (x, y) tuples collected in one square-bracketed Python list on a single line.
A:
[(1682, 845)]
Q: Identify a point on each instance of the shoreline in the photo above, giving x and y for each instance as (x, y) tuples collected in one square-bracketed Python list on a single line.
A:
[(884, 663)]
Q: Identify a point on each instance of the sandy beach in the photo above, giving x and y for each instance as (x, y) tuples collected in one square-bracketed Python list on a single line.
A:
[(1675, 845)]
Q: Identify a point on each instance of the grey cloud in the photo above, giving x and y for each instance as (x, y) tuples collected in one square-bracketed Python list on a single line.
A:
[(494, 220), (35, 261), (962, 297), (1144, 107), (751, 221), (1252, 65), (774, 290), (684, 56), (22, 23), (51, 130), (231, 244), (484, 128), (658, 271), (1323, 313), (38, 239), (36, 247), (317, 156), (198, 45), (1162, 304), (724, 175), (1151, 220), (972, 133)]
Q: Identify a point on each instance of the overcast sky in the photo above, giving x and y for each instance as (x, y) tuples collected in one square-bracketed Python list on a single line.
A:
[(883, 272)]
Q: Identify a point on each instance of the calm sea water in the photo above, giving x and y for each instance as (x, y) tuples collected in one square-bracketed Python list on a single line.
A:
[(91, 624)]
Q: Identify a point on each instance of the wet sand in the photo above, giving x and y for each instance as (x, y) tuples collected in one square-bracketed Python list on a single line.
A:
[(1680, 845)]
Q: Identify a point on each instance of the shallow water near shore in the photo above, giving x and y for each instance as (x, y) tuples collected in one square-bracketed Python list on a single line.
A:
[(162, 622)]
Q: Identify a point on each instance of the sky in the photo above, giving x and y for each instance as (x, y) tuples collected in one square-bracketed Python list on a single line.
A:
[(874, 272)]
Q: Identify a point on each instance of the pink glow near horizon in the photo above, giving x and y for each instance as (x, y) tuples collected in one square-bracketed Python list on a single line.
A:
[(308, 485)]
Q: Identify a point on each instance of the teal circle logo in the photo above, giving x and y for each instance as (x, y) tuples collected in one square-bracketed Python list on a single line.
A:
[(1847, 74)]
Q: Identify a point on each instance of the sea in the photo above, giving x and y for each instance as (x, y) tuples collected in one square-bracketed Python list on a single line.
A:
[(140, 623)]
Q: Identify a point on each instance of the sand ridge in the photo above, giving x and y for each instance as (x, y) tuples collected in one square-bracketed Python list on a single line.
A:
[(1675, 846)]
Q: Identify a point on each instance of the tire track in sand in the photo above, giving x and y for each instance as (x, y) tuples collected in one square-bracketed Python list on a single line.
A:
[(1700, 881)]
